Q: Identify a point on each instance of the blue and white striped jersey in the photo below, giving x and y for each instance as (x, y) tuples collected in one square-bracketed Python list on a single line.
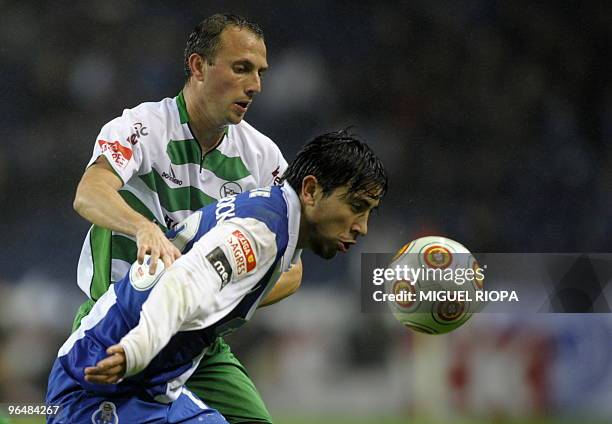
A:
[(236, 250)]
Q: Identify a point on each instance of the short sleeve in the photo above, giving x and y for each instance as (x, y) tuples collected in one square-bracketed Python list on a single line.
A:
[(118, 143), (275, 166)]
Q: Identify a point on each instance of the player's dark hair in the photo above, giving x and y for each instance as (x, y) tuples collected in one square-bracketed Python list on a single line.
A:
[(205, 38), (336, 159)]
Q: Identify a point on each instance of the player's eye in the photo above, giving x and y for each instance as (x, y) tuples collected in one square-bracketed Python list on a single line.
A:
[(357, 207)]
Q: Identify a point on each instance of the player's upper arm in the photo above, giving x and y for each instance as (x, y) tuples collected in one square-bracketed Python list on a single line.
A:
[(227, 263), (100, 175), (102, 171), (118, 143)]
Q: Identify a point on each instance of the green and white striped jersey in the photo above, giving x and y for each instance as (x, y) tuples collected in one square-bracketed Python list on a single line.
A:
[(166, 177)]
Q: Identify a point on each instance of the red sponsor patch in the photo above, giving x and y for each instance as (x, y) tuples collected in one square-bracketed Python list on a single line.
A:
[(251, 262), (243, 253), (119, 153)]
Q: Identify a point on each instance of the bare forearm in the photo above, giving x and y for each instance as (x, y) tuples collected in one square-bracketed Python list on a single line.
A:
[(287, 284), (102, 205), (98, 201)]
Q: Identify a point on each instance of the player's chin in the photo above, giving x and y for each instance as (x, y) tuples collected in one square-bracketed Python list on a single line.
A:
[(235, 118), (325, 252)]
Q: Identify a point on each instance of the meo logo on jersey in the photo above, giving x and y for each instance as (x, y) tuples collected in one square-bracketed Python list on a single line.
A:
[(244, 255), (120, 154), (221, 265)]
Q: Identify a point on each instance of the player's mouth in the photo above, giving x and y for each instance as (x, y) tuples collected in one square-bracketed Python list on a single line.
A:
[(242, 106), (344, 246)]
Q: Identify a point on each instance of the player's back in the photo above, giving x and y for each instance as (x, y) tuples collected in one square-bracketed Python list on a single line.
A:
[(119, 310)]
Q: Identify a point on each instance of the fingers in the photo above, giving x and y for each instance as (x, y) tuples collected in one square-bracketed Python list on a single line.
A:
[(153, 262), (108, 376), (174, 252), (110, 369), (142, 251), (170, 255), (117, 348), (152, 241)]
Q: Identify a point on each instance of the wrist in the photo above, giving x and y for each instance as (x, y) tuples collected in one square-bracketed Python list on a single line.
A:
[(143, 224)]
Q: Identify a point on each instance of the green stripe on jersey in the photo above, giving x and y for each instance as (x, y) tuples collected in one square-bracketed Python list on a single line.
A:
[(225, 167), (124, 248), (176, 199), (182, 152), (135, 203), (182, 108), (100, 240)]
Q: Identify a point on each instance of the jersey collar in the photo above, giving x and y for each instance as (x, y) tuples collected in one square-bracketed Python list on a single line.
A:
[(294, 208), (182, 108), (184, 116)]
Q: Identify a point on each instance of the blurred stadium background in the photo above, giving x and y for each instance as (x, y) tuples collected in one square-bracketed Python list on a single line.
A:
[(494, 119)]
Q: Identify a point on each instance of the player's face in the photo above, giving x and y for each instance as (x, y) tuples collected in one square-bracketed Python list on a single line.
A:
[(234, 76), (335, 221)]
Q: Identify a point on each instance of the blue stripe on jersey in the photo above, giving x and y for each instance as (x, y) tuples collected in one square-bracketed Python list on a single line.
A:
[(124, 313)]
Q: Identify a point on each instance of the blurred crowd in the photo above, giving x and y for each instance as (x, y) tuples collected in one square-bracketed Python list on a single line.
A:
[(493, 118)]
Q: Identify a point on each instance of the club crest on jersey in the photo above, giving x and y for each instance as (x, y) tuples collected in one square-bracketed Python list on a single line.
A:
[(221, 265), (230, 188), (243, 253), (119, 153), (105, 414)]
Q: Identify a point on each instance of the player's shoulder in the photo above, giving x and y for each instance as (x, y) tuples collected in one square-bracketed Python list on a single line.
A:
[(248, 138), (162, 112), (148, 123), (266, 204)]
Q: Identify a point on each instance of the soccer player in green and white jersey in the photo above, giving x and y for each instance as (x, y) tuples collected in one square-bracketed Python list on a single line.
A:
[(156, 163)]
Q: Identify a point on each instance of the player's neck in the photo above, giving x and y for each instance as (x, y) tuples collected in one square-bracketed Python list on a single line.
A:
[(208, 138), (204, 130), (302, 242)]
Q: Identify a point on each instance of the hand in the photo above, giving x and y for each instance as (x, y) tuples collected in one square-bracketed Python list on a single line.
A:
[(110, 369), (150, 239)]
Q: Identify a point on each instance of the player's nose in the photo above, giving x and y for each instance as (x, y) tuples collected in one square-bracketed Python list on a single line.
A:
[(254, 85), (360, 226)]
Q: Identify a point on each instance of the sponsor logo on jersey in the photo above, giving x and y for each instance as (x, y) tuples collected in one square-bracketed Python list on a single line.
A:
[(277, 177), (138, 130), (230, 188), (119, 153), (170, 223), (172, 177), (243, 253), (105, 414), (221, 265)]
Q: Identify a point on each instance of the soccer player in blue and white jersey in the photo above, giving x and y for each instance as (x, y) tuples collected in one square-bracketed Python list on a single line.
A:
[(131, 356)]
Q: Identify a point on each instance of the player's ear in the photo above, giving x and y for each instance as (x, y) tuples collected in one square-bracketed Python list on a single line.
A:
[(197, 65), (310, 189)]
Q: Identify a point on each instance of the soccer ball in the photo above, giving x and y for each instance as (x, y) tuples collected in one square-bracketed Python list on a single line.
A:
[(436, 291)]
